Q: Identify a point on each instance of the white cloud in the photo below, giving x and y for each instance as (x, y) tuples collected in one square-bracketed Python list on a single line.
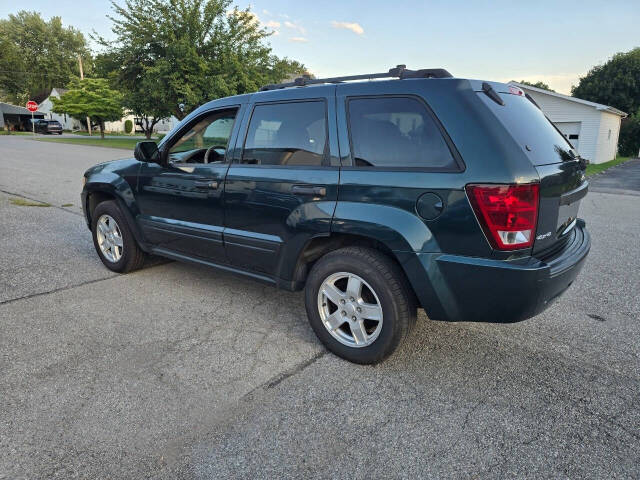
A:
[(275, 33), (267, 12), (295, 26), (354, 27), (298, 39), (272, 24)]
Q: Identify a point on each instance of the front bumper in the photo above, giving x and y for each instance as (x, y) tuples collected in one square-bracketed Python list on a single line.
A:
[(83, 202), (486, 290)]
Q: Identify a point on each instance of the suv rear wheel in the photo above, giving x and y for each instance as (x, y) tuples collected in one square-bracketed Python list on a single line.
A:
[(359, 304), (113, 240)]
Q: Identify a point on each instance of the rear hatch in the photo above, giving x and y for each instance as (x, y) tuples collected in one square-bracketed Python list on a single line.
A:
[(54, 126), (561, 170)]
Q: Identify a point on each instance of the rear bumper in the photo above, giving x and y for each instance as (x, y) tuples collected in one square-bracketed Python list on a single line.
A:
[(486, 290)]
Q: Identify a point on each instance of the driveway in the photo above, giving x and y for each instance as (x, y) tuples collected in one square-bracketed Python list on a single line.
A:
[(623, 178), (181, 372)]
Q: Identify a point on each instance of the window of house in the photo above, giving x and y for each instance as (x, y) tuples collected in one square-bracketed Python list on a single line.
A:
[(396, 132), (287, 134)]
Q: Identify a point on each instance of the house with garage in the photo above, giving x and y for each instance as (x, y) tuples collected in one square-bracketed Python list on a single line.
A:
[(592, 128), (13, 117)]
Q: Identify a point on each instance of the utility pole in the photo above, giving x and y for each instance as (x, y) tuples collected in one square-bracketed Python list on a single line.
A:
[(82, 78)]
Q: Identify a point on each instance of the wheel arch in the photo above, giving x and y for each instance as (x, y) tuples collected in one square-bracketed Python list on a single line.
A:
[(118, 190), (319, 246)]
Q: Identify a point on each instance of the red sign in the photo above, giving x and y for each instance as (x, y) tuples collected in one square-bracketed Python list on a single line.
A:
[(32, 106)]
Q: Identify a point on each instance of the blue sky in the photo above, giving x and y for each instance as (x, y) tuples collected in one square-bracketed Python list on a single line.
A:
[(555, 42)]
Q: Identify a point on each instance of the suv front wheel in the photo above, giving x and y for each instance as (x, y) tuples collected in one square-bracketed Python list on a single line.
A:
[(113, 240), (359, 304)]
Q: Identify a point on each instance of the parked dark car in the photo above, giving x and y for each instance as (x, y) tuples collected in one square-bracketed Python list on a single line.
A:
[(48, 126), (376, 198)]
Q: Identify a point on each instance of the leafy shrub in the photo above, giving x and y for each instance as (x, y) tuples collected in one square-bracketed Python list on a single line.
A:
[(629, 142), (128, 126)]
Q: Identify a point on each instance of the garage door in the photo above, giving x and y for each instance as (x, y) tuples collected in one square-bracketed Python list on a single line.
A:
[(571, 131)]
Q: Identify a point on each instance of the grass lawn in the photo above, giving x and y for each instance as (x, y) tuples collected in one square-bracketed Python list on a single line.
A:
[(109, 134), (4, 132), (594, 168), (113, 142)]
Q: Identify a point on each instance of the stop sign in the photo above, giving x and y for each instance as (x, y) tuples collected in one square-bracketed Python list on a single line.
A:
[(32, 106)]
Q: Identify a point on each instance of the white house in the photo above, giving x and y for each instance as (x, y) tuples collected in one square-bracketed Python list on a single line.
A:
[(592, 128), (46, 106), (69, 123), (163, 126)]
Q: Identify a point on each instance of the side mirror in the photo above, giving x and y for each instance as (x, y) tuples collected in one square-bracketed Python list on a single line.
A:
[(146, 152)]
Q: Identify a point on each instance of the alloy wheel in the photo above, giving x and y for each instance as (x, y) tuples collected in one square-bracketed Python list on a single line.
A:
[(350, 309), (109, 238)]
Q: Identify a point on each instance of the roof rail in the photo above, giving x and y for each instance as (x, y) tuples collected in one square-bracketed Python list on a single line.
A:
[(400, 71)]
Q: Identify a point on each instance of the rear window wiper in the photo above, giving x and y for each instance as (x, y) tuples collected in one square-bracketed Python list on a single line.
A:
[(491, 93)]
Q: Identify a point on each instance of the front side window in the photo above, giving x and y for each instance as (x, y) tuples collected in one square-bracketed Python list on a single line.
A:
[(396, 132), (287, 134), (209, 134)]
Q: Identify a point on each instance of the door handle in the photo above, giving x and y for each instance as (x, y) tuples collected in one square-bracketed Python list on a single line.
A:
[(309, 190), (212, 184)]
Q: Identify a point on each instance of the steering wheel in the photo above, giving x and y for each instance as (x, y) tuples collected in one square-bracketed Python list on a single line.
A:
[(214, 147)]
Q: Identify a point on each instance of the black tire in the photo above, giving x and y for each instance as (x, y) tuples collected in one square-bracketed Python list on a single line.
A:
[(132, 256), (389, 283)]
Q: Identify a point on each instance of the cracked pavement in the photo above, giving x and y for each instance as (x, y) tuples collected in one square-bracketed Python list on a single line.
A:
[(177, 371)]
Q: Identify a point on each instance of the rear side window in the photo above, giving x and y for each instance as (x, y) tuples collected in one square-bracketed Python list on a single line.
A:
[(396, 132), (287, 134)]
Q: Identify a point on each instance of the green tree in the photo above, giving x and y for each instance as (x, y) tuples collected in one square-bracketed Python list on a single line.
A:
[(615, 83), (629, 142), (12, 76), (536, 84), (173, 55), (91, 97), (36, 55)]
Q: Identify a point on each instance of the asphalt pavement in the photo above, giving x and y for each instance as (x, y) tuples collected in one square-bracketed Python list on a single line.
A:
[(177, 371), (623, 178)]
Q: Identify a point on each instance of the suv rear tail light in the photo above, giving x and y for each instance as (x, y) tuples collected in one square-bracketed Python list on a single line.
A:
[(507, 213)]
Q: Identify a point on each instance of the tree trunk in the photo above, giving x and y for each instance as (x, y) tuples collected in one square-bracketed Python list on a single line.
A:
[(102, 130), (148, 130)]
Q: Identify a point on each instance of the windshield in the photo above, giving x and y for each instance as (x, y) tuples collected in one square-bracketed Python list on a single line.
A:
[(540, 139)]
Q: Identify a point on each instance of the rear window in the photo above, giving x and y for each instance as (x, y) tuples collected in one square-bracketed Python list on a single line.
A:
[(542, 142), (396, 132)]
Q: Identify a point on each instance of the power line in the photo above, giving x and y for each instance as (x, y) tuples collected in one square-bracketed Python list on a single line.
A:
[(19, 71)]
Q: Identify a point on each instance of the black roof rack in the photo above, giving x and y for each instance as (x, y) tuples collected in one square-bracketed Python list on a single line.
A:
[(400, 71)]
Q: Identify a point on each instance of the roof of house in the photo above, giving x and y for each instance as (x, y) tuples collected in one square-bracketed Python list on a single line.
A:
[(16, 110), (597, 106), (40, 97)]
